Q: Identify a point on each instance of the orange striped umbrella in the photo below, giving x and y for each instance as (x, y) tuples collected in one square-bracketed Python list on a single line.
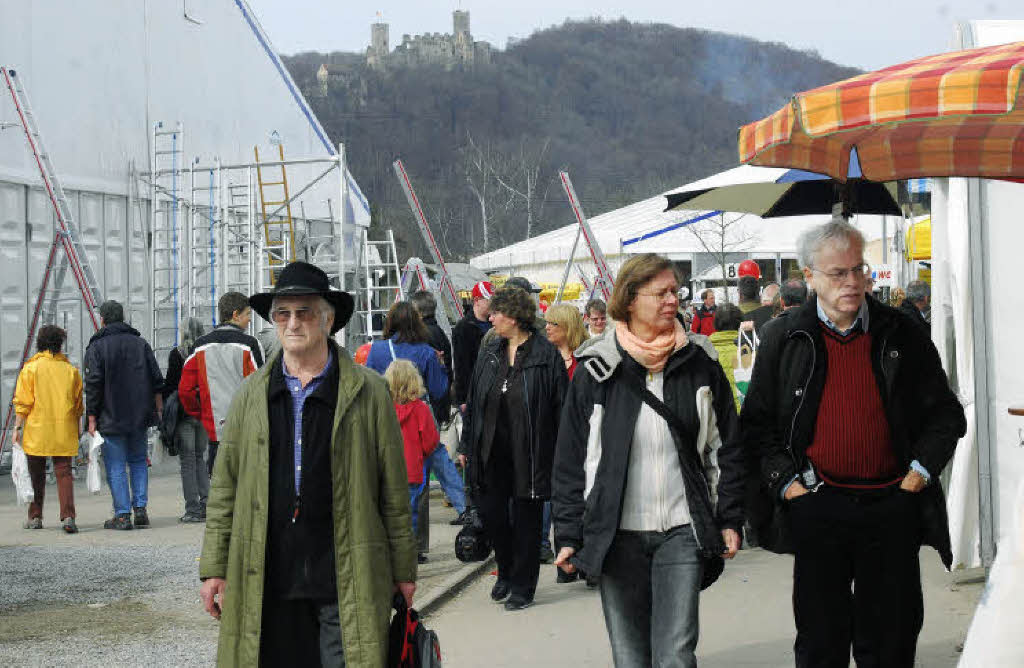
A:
[(953, 114)]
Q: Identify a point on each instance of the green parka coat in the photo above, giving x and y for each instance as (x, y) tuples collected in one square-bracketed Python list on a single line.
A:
[(374, 544)]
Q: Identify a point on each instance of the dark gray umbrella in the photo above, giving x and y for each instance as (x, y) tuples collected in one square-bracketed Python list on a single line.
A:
[(776, 192)]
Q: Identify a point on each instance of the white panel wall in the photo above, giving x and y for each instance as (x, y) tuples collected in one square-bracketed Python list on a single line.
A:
[(121, 65), (1005, 239)]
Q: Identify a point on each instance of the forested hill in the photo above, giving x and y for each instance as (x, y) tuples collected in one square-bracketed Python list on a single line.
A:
[(628, 109)]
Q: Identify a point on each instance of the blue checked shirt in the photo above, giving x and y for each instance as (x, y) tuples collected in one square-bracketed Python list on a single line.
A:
[(299, 395)]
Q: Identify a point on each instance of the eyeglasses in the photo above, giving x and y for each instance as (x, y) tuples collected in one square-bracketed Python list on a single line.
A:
[(282, 316), (669, 294), (839, 275)]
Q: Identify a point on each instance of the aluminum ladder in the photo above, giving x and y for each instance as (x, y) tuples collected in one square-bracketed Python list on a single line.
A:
[(237, 260), (167, 163), (204, 221), (415, 277), (66, 249), (383, 282)]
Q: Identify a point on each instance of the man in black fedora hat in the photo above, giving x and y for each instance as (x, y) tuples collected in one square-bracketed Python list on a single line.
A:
[(308, 530)]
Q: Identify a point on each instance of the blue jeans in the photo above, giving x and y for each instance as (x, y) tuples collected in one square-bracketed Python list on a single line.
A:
[(120, 451), (650, 590), (440, 464)]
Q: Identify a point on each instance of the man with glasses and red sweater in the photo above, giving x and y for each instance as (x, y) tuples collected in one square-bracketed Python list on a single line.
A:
[(852, 419)]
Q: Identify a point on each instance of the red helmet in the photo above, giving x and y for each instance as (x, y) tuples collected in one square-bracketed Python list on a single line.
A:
[(749, 268)]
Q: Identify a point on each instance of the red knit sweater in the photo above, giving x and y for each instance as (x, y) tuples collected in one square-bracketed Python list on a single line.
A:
[(852, 441)]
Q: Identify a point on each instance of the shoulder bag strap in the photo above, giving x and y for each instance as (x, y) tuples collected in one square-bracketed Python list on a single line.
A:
[(636, 385), (391, 347)]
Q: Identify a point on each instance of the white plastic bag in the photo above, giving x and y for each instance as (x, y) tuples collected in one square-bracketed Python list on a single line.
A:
[(19, 475), (92, 476), (994, 636)]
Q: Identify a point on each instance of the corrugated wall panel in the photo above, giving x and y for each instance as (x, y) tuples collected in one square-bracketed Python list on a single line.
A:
[(12, 287)]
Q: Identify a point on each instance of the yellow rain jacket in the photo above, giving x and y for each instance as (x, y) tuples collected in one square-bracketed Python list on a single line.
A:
[(49, 397)]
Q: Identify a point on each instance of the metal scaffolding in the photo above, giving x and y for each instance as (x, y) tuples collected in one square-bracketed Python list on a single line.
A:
[(223, 246)]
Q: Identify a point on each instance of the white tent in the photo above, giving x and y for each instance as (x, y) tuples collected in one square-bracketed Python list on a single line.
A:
[(99, 76), (977, 325), (645, 227)]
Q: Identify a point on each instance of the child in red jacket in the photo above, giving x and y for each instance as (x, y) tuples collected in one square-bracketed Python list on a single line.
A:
[(419, 432)]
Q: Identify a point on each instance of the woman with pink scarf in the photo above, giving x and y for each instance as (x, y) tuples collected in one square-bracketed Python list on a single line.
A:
[(648, 480)]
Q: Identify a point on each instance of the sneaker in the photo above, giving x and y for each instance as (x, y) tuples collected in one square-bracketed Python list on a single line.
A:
[(421, 558), (202, 512), (119, 523), (141, 518), (34, 523), (69, 525), (191, 518), (462, 519), (546, 555)]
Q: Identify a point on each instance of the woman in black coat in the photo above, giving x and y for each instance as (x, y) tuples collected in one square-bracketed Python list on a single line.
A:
[(509, 432)]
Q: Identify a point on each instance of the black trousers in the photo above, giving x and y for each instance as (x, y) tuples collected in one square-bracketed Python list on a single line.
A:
[(301, 633), (513, 526), (856, 577)]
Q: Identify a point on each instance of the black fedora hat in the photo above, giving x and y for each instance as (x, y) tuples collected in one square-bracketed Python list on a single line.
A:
[(301, 279)]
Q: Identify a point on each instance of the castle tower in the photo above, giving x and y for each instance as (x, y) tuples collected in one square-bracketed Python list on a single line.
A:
[(379, 38), (377, 54), (460, 22), (323, 76)]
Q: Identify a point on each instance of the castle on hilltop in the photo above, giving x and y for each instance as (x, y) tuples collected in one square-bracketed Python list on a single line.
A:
[(449, 51)]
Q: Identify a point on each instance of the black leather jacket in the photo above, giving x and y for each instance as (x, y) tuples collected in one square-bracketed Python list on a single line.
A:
[(781, 407), (545, 382)]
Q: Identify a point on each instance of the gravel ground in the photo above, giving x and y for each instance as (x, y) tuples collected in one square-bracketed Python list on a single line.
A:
[(125, 598), (98, 606)]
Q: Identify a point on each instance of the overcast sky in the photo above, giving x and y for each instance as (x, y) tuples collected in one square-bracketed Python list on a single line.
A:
[(862, 33)]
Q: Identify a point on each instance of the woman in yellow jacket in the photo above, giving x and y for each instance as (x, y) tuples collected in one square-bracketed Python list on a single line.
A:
[(48, 404)]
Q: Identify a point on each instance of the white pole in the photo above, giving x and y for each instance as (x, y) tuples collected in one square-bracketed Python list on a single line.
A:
[(342, 208)]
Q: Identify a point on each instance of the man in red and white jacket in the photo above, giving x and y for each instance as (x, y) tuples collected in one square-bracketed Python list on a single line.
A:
[(220, 362)]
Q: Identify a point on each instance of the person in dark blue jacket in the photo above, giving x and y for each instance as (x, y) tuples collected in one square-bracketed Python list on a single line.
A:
[(122, 390), (406, 337)]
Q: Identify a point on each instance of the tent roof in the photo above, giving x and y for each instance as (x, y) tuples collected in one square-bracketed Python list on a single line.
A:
[(645, 227)]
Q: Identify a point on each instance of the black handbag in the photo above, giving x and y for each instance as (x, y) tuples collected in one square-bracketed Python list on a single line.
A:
[(471, 543), (410, 643), (714, 564)]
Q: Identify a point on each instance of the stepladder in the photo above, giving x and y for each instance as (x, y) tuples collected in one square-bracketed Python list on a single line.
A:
[(66, 251)]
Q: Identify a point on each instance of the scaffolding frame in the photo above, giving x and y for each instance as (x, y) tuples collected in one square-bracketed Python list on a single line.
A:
[(237, 226)]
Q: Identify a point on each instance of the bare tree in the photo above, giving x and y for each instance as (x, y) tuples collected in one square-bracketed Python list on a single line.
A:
[(478, 164), (720, 236), (521, 178)]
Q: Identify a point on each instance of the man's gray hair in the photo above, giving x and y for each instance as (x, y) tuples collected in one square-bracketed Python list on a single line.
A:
[(837, 233), (326, 312), (918, 291), (424, 302)]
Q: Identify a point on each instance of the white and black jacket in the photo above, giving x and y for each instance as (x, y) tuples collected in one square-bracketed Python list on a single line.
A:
[(595, 438)]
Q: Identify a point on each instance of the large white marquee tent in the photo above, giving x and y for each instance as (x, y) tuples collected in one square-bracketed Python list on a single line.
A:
[(100, 75), (645, 227)]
